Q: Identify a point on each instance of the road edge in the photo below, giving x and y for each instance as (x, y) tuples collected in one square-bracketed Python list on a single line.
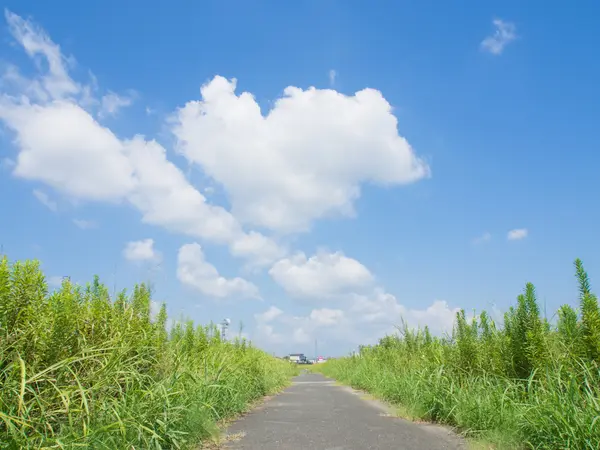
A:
[(221, 437), (395, 411)]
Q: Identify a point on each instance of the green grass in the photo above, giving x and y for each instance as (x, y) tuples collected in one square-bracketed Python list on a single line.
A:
[(527, 384), (79, 369)]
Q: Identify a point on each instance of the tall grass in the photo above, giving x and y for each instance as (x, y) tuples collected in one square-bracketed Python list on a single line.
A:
[(527, 384), (81, 369)]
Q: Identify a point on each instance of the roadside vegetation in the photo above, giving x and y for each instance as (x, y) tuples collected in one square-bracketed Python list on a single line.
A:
[(81, 369), (530, 383)]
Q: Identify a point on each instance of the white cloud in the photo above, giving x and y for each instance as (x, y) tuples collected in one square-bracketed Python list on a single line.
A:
[(516, 234), (111, 103), (485, 237), (62, 145), (301, 336), (270, 314), (56, 83), (438, 316), (377, 307), (45, 200), (326, 316), (141, 251), (261, 250), (504, 33), (54, 281), (332, 77), (306, 159), (166, 198), (194, 271), (85, 224), (320, 276), (266, 333), (367, 318)]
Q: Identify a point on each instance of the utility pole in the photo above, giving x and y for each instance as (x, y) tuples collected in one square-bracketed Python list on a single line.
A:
[(115, 282), (316, 353)]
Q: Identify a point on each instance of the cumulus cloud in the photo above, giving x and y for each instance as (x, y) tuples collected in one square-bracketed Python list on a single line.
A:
[(366, 319), (141, 251), (504, 33), (62, 144), (266, 333), (306, 159), (381, 310), (320, 276), (270, 314), (193, 270), (326, 316), (438, 316), (261, 251), (45, 200), (517, 234)]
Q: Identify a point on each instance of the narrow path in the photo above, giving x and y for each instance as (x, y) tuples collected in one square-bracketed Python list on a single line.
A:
[(316, 414)]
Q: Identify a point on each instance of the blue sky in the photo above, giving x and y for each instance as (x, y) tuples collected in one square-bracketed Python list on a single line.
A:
[(320, 221)]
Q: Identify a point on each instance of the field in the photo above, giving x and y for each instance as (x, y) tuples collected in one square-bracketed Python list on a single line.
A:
[(79, 369), (526, 384)]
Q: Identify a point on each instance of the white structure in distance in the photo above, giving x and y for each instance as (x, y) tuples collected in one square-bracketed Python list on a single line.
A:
[(224, 325)]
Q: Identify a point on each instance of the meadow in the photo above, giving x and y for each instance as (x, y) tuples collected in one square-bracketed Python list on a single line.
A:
[(527, 383), (80, 368)]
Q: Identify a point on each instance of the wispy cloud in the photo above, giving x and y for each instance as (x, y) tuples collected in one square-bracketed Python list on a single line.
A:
[(111, 103), (332, 77), (504, 33), (485, 237), (85, 224), (54, 281), (517, 234), (45, 200), (7, 163)]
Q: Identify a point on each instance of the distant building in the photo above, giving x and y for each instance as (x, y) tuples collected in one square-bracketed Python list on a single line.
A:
[(297, 357)]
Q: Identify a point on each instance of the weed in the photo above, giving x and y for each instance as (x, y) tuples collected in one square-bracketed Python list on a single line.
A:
[(527, 384), (79, 369)]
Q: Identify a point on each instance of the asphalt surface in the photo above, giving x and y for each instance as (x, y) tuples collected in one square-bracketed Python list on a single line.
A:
[(316, 414)]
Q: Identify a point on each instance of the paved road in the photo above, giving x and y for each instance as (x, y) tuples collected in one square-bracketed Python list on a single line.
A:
[(316, 414)]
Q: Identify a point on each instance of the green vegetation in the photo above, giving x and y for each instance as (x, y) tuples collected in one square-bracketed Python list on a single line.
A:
[(79, 369), (528, 384)]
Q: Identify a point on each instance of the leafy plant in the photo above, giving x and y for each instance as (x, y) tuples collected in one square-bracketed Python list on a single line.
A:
[(79, 369), (524, 385)]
